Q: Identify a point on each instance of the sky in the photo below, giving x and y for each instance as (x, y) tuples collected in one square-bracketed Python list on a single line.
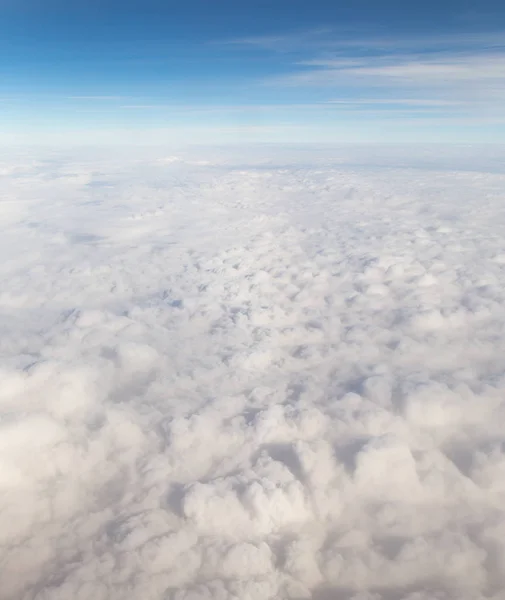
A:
[(277, 71)]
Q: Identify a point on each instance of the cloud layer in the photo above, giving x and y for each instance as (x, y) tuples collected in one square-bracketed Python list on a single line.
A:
[(250, 379)]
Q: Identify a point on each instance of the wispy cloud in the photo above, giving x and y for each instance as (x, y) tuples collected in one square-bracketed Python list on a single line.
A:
[(343, 40), (285, 42), (422, 102), (192, 108), (439, 72), (99, 98), (406, 105), (444, 70)]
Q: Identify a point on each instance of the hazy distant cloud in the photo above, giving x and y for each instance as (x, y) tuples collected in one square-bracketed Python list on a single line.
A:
[(329, 105), (413, 102), (223, 108), (105, 98)]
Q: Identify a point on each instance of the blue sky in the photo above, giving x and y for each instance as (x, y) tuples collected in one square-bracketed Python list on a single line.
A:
[(220, 71)]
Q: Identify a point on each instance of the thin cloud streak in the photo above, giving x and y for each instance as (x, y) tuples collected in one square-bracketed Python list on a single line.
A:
[(411, 69), (334, 106), (99, 98), (422, 102), (474, 81), (331, 39), (477, 69), (282, 42)]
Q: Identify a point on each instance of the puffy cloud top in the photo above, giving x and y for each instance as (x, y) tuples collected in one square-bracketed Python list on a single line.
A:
[(242, 382)]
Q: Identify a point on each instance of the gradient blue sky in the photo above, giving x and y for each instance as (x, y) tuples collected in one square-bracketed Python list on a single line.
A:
[(219, 71)]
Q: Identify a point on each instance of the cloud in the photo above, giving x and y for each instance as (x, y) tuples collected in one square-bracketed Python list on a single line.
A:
[(418, 70), (285, 42), (263, 374), (223, 108), (445, 71), (350, 39), (407, 102), (467, 70), (98, 98)]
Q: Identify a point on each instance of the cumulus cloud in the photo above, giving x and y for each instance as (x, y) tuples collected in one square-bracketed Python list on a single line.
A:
[(229, 378)]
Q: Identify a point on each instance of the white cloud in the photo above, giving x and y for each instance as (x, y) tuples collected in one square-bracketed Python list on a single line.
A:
[(407, 102), (444, 70), (467, 71), (340, 40), (285, 42), (99, 98), (422, 70), (233, 375)]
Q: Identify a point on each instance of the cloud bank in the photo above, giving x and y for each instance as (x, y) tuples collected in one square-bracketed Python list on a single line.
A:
[(231, 379)]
